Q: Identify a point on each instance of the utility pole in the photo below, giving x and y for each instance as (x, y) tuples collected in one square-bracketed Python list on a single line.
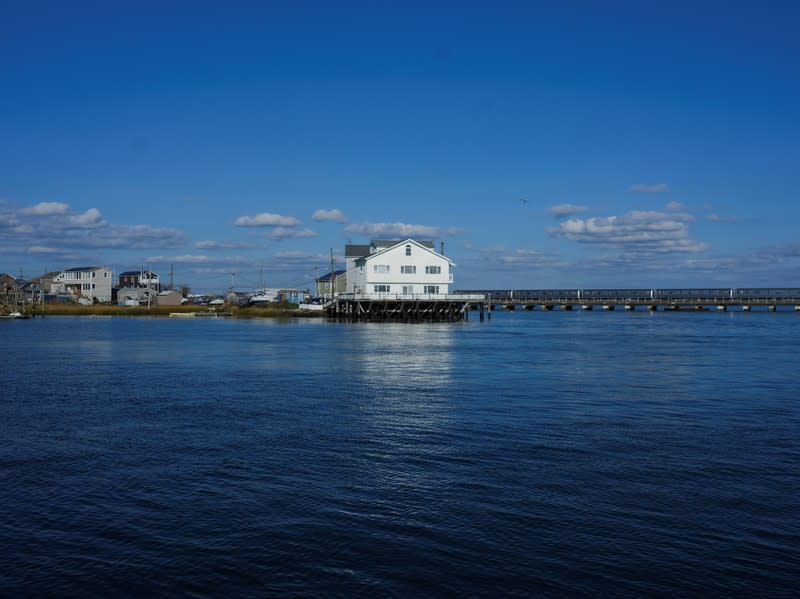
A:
[(333, 274), (150, 270)]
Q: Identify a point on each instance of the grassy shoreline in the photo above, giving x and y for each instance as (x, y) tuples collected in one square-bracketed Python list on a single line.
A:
[(277, 311)]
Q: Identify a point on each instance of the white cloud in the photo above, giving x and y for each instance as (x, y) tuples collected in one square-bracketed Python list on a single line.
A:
[(90, 218), (716, 218), (335, 215), (485, 251), (284, 232), (529, 257), (223, 245), (675, 207), (302, 256), (182, 259), (51, 224), (41, 249), (646, 231), (561, 210), (47, 209), (402, 230), (267, 219), (653, 188), (137, 237)]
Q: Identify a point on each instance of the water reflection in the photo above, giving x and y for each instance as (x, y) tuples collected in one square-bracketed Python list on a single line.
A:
[(404, 360), (403, 377)]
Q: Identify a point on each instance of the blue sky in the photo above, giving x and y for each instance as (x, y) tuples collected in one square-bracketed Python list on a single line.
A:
[(653, 144)]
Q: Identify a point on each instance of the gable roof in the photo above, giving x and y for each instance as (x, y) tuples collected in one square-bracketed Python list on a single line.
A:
[(327, 277), (356, 251), (362, 250), (427, 246), (387, 243)]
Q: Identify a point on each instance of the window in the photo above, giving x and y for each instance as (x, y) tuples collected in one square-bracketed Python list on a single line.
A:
[(381, 288), (93, 273), (408, 250), (408, 290), (93, 286), (381, 268), (408, 270), (431, 289), (433, 270)]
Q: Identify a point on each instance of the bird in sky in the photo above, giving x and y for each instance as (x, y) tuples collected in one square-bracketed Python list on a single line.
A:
[(523, 200)]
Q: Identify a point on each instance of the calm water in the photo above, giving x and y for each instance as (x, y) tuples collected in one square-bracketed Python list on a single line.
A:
[(536, 454)]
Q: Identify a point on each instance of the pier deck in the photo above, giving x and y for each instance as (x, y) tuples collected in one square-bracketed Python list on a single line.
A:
[(405, 308)]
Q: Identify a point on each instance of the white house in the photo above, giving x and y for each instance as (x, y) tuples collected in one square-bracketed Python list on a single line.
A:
[(140, 278), (398, 267), (86, 283)]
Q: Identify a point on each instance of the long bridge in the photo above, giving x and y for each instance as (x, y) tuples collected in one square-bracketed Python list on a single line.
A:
[(630, 299), (456, 306)]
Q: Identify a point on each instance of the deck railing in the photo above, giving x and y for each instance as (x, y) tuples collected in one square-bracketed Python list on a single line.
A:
[(410, 297)]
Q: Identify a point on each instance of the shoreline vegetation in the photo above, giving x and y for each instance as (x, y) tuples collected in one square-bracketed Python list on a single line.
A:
[(284, 310)]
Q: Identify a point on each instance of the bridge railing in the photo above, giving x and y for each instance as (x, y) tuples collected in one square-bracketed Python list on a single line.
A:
[(660, 295)]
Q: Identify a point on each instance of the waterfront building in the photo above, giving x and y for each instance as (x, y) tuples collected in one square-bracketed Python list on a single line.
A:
[(140, 278), (398, 267), (324, 284), (11, 292), (170, 298), (135, 296), (86, 284)]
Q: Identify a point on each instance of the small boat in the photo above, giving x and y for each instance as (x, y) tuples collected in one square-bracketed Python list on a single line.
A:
[(16, 316)]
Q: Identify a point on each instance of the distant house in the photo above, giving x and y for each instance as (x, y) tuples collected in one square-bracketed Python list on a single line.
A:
[(11, 293), (324, 283), (86, 283), (398, 267), (47, 282), (135, 296), (264, 296), (169, 298), (292, 296), (140, 278)]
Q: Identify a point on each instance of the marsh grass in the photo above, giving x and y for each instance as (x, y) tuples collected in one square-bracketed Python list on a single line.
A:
[(271, 311)]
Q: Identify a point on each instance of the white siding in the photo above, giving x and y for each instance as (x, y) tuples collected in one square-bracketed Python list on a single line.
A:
[(91, 283), (386, 270)]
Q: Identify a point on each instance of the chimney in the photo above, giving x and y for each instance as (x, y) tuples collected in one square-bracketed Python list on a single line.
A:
[(442, 250)]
